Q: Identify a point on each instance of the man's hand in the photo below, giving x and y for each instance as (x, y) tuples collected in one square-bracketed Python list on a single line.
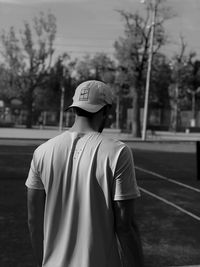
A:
[(36, 204), (128, 234)]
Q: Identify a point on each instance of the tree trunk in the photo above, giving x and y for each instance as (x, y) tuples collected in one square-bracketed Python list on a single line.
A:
[(175, 120), (29, 119), (136, 127)]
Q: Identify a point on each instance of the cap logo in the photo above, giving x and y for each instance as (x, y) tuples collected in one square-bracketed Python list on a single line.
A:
[(84, 95)]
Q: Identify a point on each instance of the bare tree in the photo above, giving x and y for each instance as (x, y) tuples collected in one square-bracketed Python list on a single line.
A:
[(28, 57), (132, 50), (193, 83), (179, 65), (99, 67)]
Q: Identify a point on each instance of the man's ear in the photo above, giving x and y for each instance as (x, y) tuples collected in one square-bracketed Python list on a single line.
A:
[(106, 110)]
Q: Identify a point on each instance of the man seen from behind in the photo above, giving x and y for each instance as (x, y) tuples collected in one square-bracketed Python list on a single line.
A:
[(82, 190)]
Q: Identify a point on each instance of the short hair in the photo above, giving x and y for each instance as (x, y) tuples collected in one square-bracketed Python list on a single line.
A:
[(83, 113)]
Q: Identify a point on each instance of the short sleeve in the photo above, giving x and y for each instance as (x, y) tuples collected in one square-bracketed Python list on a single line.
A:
[(34, 180), (124, 184)]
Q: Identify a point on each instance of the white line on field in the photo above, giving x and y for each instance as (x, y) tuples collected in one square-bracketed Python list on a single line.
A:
[(188, 266), (170, 203), (168, 179), (16, 153)]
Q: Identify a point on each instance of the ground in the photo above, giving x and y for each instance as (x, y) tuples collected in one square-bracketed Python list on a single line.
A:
[(168, 213)]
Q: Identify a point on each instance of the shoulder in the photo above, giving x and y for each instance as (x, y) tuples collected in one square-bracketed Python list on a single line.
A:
[(113, 147), (111, 142), (50, 144)]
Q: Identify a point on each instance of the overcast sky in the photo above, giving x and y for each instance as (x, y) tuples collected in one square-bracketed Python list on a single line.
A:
[(93, 25)]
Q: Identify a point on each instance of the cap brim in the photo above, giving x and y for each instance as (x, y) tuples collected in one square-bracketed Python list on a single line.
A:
[(87, 107)]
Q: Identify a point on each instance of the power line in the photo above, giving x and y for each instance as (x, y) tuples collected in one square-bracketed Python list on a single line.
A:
[(89, 52), (82, 45), (87, 38)]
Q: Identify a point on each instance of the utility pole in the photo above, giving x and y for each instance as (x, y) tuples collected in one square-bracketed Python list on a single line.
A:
[(193, 94), (117, 112), (61, 71), (61, 107), (145, 116)]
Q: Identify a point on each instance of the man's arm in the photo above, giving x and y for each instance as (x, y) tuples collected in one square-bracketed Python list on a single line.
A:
[(128, 234), (36, 204)]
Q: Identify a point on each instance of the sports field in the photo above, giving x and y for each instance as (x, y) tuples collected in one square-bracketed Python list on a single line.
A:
[(168, 211)]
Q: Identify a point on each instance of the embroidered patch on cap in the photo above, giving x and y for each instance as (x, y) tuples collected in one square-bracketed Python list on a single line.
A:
[(84, 95)]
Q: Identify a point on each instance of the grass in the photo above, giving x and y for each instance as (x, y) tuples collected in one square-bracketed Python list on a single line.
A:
[(15, 249), (169, 237)]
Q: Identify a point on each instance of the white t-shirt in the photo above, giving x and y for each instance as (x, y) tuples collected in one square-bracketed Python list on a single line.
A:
[(82, 174)]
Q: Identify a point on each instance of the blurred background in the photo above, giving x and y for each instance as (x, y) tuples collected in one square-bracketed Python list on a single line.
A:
[(148, 51)]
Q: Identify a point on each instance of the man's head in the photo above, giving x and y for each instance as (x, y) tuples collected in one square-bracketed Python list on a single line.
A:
[(92, 96), (92, 99)]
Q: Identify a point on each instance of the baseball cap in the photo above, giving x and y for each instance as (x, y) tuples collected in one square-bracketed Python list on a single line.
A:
[(92, 96)]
